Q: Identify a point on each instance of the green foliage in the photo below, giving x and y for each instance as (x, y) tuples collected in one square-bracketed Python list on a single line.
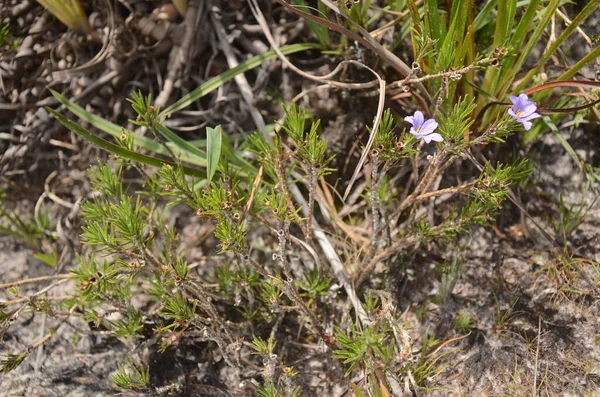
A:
[(11, 361), (469, 59), (69, 12), (131, 376), (321, 32), (388, 145), (455, 126), (262, 347), (311, 148), (178, 308), (116, 225), (569, 219), (314, 285), (50, 258), (214, 139), (96, 279), (464, 322), (270, 294), (7, 42), (30, 231), (428, 365), (130, 325), (363, 347)]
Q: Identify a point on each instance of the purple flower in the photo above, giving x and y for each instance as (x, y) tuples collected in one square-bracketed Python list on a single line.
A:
[(423, 129), (523, 110)]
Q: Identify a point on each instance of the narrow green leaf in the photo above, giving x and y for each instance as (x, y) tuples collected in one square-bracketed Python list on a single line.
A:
[(456, 33), (214, 137), (503, 28), (432, 20), (116, 131), (566, 145), (586, 12), (483, 16), (219, 80), (321, 32), (118, 150), (533, 40), (356, 390), (590, 57), (182, 144), (49, 259)]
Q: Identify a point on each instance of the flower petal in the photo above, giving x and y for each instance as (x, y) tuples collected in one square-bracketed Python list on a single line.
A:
[(530, 117), (514, 100), (434, 137), (527, 125), (513, 114), (528, 109), (418, 119), (524, 99), (410, 119), (429, 126)]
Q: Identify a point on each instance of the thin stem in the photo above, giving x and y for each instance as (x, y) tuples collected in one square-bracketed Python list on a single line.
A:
[(34, 280), (448, 74), (449, 190), (29, 298)]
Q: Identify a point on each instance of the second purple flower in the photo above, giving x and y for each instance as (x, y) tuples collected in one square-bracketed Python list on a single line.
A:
[(423, 129), (523, 110)]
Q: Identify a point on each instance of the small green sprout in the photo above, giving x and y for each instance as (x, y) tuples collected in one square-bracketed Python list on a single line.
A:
[(131, 376), (464, 322)]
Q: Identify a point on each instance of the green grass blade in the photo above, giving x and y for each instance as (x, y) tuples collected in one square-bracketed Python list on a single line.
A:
[(586, 12), (118, 150), (533, 40), (321, 32), (214, 138), (518, 38), (182, 144), (432, 20), (483, 16), (97, 121), (504, 21), (580, 64), (116, 131), (219, 80), (456, 33)]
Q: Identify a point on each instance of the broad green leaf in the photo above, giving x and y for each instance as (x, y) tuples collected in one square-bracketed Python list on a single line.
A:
[(214, 137), (113, 129), (182, 144), (118, 150)]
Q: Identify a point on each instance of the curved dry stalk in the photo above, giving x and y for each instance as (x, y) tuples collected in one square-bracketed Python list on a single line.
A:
[(180, 53), (367, 149), (366, 40), (240, 79), (326, 78)]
